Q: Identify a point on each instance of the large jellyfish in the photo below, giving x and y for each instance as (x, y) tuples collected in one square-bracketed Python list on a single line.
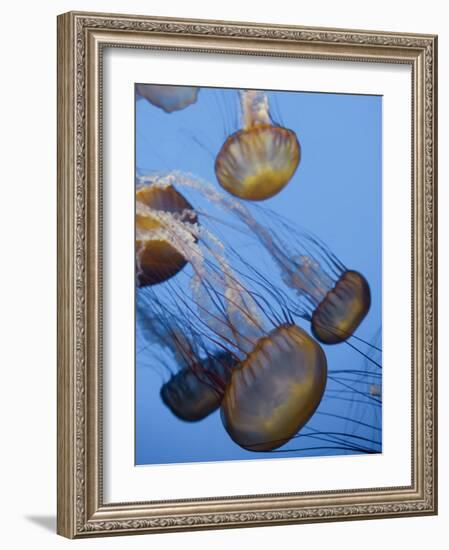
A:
[(168, 98), (256, 162), (275, 390)]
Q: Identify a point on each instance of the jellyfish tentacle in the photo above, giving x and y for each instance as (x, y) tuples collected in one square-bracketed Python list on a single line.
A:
[(353, 389), (370, 359), (329, 436), (369, 344), (254, 107)]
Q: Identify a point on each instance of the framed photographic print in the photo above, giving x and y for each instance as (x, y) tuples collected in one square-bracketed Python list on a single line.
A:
[(246, 274)]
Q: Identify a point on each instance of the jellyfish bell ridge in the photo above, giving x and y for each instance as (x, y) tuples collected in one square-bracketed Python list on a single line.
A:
[(256, 163), (157, 259), (275, 390), (342, 310)]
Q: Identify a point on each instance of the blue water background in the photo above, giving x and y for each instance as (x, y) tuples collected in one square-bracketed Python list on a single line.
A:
[(335, 193)]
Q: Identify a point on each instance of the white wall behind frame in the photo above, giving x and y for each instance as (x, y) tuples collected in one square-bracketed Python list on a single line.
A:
[(27, 292)]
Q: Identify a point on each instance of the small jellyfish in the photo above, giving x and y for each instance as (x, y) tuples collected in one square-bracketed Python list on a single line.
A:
[(157, 259), (275, 390), (195, 390), (258, 161), (342, 309), (168, 98), (332, 297)]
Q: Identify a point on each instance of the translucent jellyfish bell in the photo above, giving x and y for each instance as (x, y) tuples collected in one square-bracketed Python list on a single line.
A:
[(275, 390), (257, 162), (168, 98), (343, 308), (195, 391), (334, 298)]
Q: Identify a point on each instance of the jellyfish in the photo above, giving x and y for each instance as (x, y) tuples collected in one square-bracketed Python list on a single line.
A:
[(195, 390), (156, 259), (275, 390), (332, 297), (191, 394), (168, 98), (257, 162)]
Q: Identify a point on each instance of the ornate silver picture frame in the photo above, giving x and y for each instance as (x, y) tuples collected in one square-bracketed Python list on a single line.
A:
[(83, 511)]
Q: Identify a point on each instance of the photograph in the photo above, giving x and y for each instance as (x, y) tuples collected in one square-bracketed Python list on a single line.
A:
[(258, 262)]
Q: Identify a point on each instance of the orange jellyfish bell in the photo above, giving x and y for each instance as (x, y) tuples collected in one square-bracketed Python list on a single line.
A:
[(156, 256), (275, 390), (196, 391), (256, 162), (168, 98), (342, 310)]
